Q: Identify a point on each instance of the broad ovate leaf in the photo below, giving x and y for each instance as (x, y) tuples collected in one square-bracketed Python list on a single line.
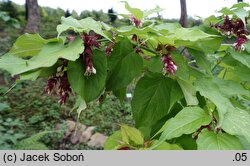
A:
[(189, 92), (243, 56), (240, 5), (137, 13), (88, 87), (69, 23), (80, 26), (237, 123), (166, 146), (241, 13), (187, 121), (208, 140), (124, 65), (89, 24), (12, 64), (191, 34), (30, 75), (201, 60), (131, 135), (120, 94), (157, 9), (28, 45), (114, 141), (219, 92), (47, 57), (153, 98)]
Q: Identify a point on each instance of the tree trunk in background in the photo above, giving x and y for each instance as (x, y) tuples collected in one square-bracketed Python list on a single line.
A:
[(183, 19), (32, 12), (240, 0)]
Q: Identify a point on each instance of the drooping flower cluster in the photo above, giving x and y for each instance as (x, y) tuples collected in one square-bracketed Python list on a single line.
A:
[(59, 85), (236, 28), (89, 42), (137, 23), (169, 65)]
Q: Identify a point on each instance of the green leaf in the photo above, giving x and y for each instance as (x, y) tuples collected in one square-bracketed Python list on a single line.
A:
[(130, 30), (47, 57), (152, 11), (237, 123), (41, 72), (207, 45), (28, 45), (208, 140), (189, 92), (187, 121), (187, 142), (219, 91), (124, 65), (153, 98), (154, 64), (137, 13), (237, 72), (211, 20), (30, 75), (131, 135), (165, 28), (183, 71), (241, 13), (51, 52), (195, 38), (240, 5), (191, 34), (120, 94), (69, 23), (80, 26), (236, 10), (166, 146), (8, 61), (247, 46), (225, 11), (201, 60), (243, 57), (88, 87), (113, 141), (89, 24), (244, 142)]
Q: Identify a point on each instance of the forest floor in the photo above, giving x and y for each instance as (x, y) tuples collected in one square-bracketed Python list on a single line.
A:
[(26, 110)]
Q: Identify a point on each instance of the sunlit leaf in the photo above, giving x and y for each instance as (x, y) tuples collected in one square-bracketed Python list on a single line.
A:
[(208, 140), (131, 135), (186, 121), (136, 12), (237, 123)]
